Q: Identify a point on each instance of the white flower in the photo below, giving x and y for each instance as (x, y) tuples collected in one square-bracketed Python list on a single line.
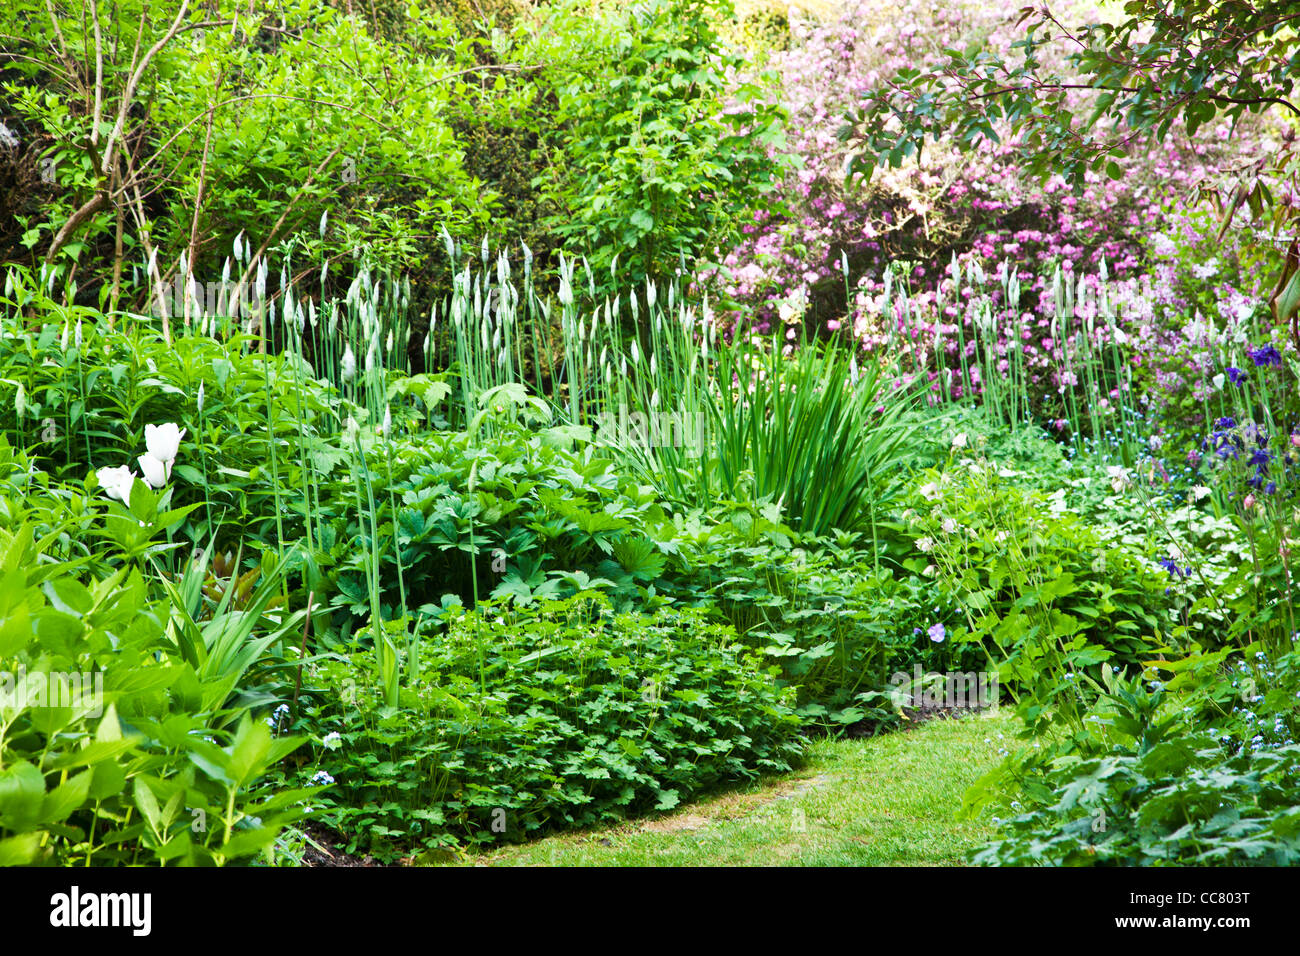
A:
[(925, 544), (348, 367), (959, 441), (1199, 492), (950, 525), (929, 491), (155, 472), (332, 741), (163, 441), (116, 483), (1218, 382), (1118, 475), (200, 398)]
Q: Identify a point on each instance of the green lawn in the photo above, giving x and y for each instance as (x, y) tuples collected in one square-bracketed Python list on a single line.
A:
[(891, 801)]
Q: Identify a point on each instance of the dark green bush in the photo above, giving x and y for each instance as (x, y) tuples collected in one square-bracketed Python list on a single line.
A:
[(838, 627), (524, 720)]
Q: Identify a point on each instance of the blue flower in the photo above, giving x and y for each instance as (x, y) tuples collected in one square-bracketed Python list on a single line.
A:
[(1234, 375), (1174, 570), (937, 633), (1265, 355)]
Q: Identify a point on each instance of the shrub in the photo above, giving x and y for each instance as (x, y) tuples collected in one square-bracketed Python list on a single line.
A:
[(563, 715), (666, 147), (1040, 592), (836, 626)]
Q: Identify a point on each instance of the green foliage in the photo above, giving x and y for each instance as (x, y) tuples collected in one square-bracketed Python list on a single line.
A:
[(666, 147), (563, 715), (118, 745), (837, 628), (813, 432), (78, 394), (513, 513), (1044, 596), (236, 128), (1157, 791), (752, 419)]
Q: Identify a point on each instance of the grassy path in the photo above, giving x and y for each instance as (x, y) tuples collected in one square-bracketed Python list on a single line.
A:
[(891, 801)]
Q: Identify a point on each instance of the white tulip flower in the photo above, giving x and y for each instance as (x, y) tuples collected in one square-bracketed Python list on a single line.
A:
[(163, 441), (154, 472), (116, 483)]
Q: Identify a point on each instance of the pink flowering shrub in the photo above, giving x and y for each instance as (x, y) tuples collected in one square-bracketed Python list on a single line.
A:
[(975, 203)]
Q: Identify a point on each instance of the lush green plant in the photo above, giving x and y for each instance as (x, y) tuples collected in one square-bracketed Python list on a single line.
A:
[(1039, 591), (559, 715), (1155, 790), (213, 115), (261, 430), (814, 432), (668, 147), (839, 628), (122, 738), (512, 514)]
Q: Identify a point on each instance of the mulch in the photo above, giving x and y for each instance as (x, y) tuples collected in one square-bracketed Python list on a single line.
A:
[(329, 851)]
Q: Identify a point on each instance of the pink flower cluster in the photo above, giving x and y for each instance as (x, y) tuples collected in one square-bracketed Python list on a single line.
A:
[(978, 204)]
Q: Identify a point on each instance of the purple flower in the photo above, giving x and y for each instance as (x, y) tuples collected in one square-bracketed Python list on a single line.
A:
[(937, 633), (1174, 570), (1234, 375), (1265, 355)]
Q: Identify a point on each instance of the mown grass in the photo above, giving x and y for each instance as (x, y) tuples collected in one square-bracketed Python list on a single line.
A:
[(888, 801)]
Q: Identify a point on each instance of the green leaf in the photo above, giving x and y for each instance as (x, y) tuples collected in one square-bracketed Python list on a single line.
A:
[(67, 797), (22, 790)]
